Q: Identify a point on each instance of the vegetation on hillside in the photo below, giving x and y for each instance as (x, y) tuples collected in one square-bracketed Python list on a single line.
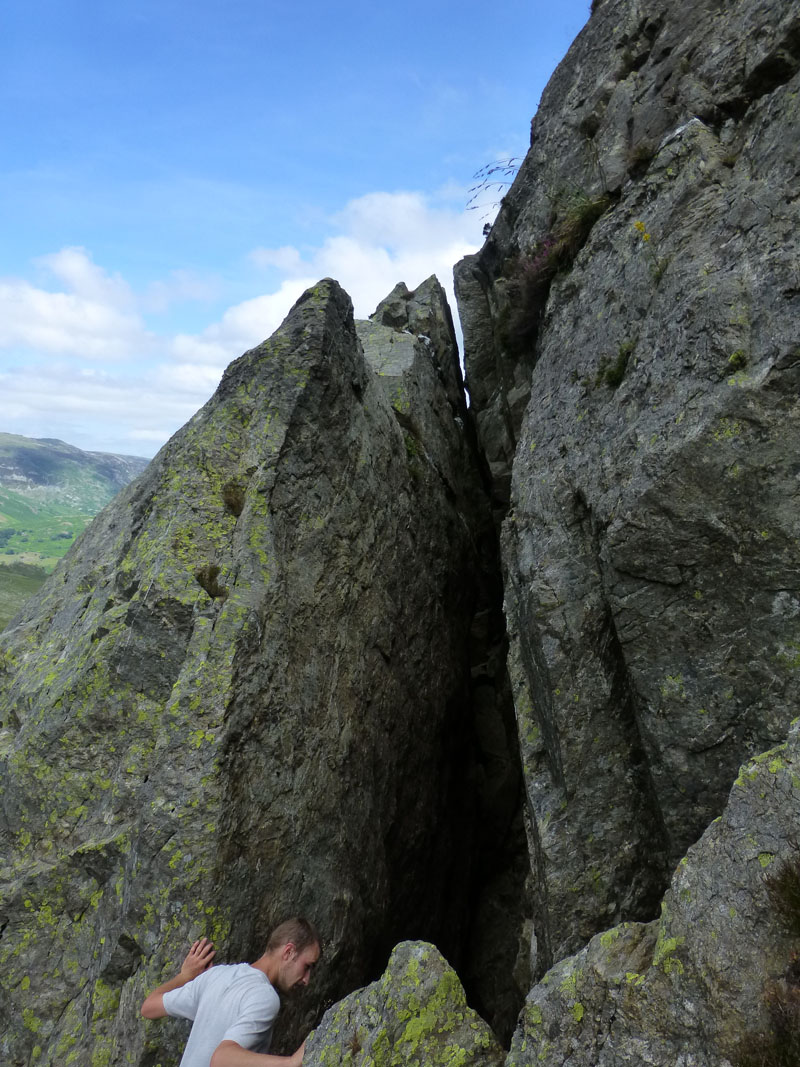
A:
[(49, 493)]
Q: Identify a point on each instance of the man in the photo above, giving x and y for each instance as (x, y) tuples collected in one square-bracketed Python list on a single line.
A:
[(233, 1007)]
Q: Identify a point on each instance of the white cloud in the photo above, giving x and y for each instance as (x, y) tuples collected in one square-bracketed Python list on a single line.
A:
[(287, 259), (94, 319), (195, 379), (95, 411), (241, 327), (181, 287), (74, 267), (160, 380), (383, 238)]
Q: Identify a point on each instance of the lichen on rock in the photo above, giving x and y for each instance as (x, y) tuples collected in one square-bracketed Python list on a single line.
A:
[(690, 986), (244, 692), (415, 1015)]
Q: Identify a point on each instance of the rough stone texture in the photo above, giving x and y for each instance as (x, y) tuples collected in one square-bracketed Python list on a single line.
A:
[(645, 385), (495, 965), (244, 693), (689, 988), (415, 1015)]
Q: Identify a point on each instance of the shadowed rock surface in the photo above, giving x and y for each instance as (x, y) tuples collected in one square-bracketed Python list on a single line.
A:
[(245, 693), (415, 1014), (631, 331), (694, 987)]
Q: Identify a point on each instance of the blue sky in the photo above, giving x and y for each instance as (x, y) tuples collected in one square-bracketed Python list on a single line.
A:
[(175, 174)]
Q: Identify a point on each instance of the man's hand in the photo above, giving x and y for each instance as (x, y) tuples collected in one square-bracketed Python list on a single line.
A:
[(198, 959)]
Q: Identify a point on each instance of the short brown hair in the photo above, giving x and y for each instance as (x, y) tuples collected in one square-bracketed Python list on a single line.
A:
[(298, 931)]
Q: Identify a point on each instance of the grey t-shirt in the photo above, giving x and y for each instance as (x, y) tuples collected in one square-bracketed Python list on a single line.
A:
[(233, 1002)]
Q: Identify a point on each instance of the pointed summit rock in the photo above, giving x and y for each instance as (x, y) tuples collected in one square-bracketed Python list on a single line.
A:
[(245, 694)]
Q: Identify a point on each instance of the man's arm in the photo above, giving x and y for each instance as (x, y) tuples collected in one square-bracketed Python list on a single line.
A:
[(198, 959), (231, 1054)]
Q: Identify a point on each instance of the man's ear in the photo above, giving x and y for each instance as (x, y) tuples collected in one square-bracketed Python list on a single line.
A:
[(289, 952)]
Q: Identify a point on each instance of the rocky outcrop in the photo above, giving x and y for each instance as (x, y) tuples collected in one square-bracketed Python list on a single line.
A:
[(495, 964), (415, 1014), (631, 332), (706, 983), (247, 690), (275, 676)]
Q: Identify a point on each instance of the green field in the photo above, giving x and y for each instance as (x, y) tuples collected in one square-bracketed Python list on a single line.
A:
[(49, 493), (34, 535), (37, 531), (18, 581)]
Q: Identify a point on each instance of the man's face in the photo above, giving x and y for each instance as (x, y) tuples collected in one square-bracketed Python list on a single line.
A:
[(296, 967)]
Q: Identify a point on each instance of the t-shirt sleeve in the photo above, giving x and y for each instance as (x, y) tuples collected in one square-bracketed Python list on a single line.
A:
[(183, 1001), (254, 1022)]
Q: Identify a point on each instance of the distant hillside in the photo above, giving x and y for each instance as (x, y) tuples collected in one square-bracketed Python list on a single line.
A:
[(47, 470), (49, 492)]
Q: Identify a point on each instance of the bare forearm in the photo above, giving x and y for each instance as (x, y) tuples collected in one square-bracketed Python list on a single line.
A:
[(198, 959), (153, 1007), (231, 1054)]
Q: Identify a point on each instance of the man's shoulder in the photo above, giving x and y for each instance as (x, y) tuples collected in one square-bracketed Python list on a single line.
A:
[(244, 976)]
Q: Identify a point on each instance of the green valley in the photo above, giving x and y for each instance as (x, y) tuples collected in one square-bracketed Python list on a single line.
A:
[(49, 493)]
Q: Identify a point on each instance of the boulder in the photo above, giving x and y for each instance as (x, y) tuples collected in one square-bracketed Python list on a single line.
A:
[(713, 981), (415, 1015)]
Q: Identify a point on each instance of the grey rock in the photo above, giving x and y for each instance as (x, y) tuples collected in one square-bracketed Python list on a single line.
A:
[(244, 694), (638, 398), (692, 987), (416, 1014), (426, 393)]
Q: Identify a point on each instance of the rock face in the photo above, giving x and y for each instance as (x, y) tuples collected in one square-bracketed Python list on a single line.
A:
[(246, 690), (274, 675), (631, 331), (701, 985), (415, 1015)]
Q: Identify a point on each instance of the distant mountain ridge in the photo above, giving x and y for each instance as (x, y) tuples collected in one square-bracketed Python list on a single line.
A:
[(55, 471)]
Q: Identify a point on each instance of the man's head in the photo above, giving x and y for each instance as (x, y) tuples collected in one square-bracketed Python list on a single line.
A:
[(293, 949)]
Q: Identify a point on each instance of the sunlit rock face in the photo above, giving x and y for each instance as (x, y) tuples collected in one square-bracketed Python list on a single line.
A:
[(415, 1013), (631, 330), (247, 693)]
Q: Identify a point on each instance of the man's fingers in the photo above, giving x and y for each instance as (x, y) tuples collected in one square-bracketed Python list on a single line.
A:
[(205, 952), (199, 957)]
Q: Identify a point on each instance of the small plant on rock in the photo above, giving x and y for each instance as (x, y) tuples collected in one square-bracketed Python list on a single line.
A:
[(575, 213), (611, 372), (233, 498), (657, 266), (778, 1046), (639, 157), (208, 578), (491, 181)]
